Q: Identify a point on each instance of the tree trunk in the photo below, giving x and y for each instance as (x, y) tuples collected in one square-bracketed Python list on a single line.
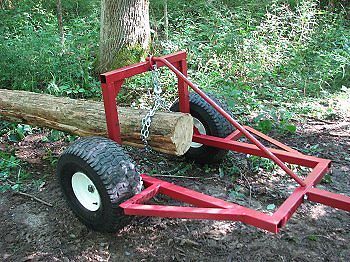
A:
[(60, 20), (124, 33), (166, 20), (170, 133)]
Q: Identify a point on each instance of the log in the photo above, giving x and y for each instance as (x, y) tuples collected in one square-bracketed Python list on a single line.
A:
[(170, 132)]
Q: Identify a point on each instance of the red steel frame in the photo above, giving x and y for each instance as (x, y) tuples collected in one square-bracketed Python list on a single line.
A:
[(204, 206)]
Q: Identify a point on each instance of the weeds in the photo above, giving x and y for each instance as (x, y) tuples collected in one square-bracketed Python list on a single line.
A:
[(51, 157), (12, 175), (14, 132), (257, 164)]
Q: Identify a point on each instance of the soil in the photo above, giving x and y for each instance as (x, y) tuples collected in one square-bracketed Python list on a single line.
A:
[(33, 231)]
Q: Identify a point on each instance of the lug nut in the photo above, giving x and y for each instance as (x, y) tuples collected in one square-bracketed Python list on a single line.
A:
[(91, 188)]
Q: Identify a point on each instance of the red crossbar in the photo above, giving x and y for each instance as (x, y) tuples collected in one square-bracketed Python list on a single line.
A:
[(271, 140), (329, 198), (289, 157)]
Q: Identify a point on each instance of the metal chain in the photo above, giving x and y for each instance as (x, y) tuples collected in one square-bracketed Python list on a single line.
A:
[(159, 102)]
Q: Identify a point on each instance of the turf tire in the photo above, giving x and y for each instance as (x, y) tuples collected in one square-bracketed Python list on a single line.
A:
[(113, 174)]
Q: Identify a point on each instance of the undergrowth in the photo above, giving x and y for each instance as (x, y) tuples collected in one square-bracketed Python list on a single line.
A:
[(32, 58), (272, 60), (12, 173), (266, 58)]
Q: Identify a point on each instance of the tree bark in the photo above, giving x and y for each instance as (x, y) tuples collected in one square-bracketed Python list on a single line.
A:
[(124, 33), (60, 20), (166, 20), (170, 133)]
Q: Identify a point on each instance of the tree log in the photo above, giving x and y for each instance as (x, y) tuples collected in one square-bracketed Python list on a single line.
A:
[(170, 132)]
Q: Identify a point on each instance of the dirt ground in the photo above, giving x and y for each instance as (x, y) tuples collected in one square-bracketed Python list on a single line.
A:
[(32, 231)]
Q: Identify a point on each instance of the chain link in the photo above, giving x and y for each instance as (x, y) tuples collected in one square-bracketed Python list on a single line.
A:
[(158, 102)]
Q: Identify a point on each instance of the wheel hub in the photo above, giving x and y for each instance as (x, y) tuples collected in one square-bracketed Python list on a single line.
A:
[(85, 191), (201, 129)]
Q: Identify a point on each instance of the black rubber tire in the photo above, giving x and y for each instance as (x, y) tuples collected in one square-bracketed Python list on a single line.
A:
[(113, 174), (215, 125)]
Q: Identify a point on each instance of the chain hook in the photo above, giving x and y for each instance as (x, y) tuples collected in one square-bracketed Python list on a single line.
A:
[(152, 64), (158, 102)]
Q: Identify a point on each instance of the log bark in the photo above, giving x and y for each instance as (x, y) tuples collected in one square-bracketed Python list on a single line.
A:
[(170, 133)]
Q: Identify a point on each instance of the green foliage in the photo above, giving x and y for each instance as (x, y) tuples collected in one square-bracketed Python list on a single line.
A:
[(268, 58), (20, 132), (264, 56), (14, 132), (12, 175), (236, 193), (53, 136), (257, 164), (72, 9), (327, 179), (312, 149), (6, 127), (312, 237), (271, 207), (33, 59), (279, 121), (51, 157)]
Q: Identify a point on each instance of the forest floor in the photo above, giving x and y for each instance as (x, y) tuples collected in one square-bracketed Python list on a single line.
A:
[(32, 231)]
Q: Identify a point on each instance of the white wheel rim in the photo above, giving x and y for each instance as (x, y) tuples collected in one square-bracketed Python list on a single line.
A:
[(86, 191), (201, 129)]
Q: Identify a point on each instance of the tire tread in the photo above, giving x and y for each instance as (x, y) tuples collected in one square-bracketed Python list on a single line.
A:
[(105, 157)]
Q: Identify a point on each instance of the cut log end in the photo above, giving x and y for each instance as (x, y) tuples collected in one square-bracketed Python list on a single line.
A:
[(183, 134)]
